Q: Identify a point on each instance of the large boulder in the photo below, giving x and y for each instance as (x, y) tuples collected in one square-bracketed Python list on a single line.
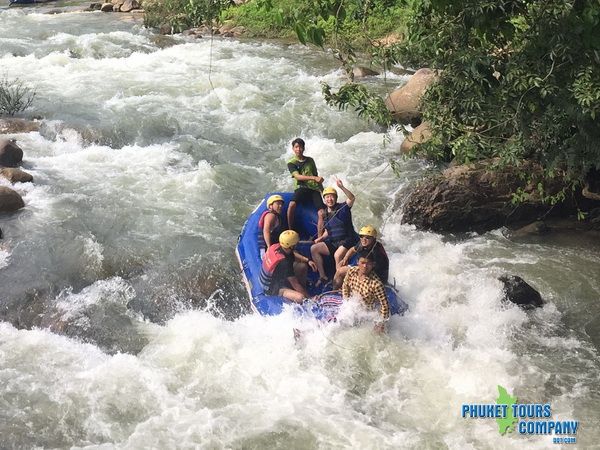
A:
[(419, 135), (10, 153), (405, 103), (474, 198), (129, 5), (517, 291), (15, 175), (10, 200)]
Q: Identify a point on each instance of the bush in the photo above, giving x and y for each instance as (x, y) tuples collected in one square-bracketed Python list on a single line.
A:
[(15, 96), (180, 15)]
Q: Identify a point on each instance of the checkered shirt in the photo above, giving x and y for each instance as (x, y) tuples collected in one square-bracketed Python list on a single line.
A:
[(370, 289)]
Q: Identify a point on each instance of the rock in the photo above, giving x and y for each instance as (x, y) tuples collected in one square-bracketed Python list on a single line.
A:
[(10, 153), (1, 234), (404, 103), (16, 175), (591, 189), (10, 200), (419, 135), (362, 72), (536, 228), (163, 40), (95, 6), (230, 30), (517, 291), (128, 5), (474, 198), (193, 32), (13, 125), (106, 7)]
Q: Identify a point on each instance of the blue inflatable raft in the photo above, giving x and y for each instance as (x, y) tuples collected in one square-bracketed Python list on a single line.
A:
[(249, 257)]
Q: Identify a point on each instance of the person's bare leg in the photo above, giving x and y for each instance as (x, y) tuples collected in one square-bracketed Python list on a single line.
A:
[(339, 276), (291, 211), (301, 272), (320, 222), (339, 255), (317, 252)]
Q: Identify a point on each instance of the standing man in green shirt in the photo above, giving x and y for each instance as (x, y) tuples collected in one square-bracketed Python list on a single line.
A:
[(307, 184)]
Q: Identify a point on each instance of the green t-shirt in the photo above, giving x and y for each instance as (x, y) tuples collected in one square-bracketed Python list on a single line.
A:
[(305, 167)]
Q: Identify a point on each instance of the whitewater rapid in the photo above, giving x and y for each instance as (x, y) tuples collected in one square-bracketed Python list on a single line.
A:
[(125, 323)]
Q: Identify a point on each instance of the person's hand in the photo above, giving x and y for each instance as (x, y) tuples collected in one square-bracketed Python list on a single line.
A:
[(319, 179), (339, 183), (344, 262), (312, 265), (379, 327)]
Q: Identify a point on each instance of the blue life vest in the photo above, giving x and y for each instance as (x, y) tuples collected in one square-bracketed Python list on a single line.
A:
[(338, 223)]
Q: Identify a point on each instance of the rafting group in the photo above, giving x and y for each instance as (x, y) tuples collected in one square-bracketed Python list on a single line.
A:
[(336, 245)]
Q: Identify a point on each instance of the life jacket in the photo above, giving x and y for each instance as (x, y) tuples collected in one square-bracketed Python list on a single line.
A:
[(275, 232), (338, 223), (273, 257)]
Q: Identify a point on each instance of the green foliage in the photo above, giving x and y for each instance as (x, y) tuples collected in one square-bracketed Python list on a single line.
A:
[(15, 96), (520, 79), (179, 15), (368, 105)]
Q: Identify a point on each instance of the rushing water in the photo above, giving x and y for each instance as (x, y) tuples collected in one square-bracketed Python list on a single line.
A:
[(125, 324)]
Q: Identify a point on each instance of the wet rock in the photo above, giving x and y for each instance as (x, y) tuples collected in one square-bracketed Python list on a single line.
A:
[(193, 32), (163, 41), (15, 175), (15, 125), (420, 134), (519, 292), (10, 153), (362, 72), (1, 234), (404, 103), (106, 7), (95, 6), (10, 200), (536, 228), (475, 198)]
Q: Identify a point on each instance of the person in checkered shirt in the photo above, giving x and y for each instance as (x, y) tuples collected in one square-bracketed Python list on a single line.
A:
[(362, 281)]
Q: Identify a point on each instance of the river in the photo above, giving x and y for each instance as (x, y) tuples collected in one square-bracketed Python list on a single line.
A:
[(124, 320)]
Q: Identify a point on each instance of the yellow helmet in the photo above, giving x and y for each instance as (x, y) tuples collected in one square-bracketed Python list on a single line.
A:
[(289, 238), (368, 230), (330, 190), (274, 198)]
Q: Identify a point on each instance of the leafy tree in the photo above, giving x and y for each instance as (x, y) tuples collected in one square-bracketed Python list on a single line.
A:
[(520, 79)]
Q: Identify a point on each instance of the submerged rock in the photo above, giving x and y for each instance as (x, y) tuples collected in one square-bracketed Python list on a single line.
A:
[(519, 292)]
